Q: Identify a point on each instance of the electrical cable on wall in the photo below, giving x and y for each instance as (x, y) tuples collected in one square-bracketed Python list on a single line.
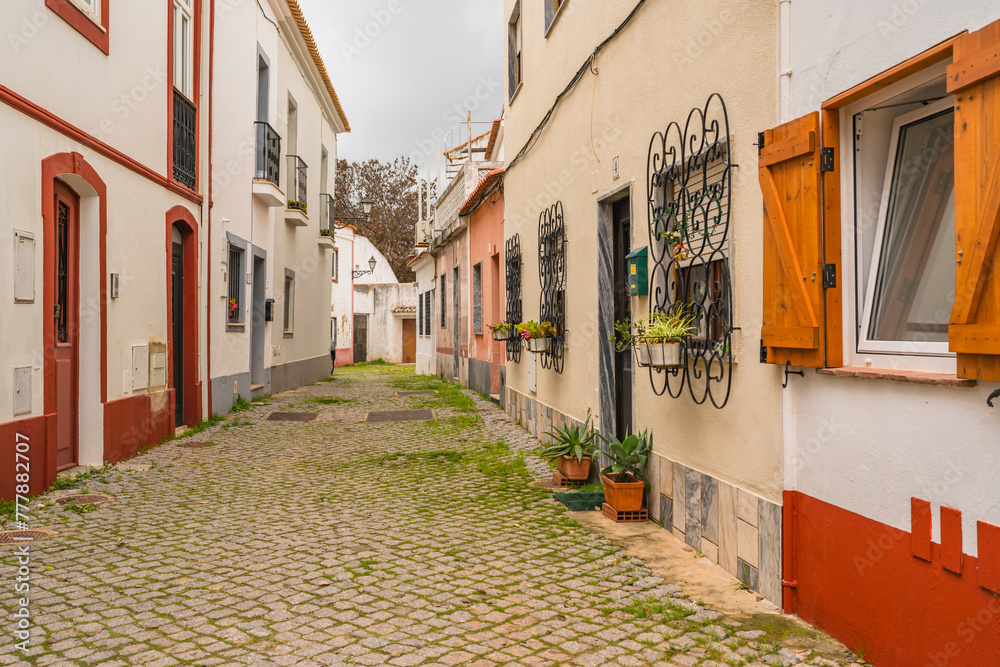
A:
[(588, 65)]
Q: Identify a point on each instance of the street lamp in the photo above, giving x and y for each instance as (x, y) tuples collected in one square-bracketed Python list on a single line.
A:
[(366, 210), (371, 263)]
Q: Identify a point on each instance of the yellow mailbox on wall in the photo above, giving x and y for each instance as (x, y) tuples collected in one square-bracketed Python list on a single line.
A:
[(638, 280)]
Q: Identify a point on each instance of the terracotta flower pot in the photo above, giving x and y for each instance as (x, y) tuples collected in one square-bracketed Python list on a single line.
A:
[(573, 469), (623, 496)]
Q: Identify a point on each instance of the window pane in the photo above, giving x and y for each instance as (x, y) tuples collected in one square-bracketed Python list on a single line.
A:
[(915, 288)]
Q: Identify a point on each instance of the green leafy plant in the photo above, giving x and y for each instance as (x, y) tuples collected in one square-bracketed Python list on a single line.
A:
[(571, 440), (672, 326), (298, 205), (326, 231), (628, 456), (501, 327), (628, 333), (533, 329)]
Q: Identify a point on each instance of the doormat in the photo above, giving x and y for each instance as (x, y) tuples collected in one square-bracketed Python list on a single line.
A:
[(581, 502), (292, 416), (399, 416), (416, 393)]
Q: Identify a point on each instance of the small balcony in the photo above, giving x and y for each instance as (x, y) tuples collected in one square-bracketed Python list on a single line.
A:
[(267, 168), (326, 212), (296, 213), (184, 140)]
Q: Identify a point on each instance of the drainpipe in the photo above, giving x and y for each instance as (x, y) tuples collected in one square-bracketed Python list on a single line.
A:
[(784, 57)]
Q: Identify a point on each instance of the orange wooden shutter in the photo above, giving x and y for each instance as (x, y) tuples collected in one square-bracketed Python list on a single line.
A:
[(974, 78), (789, 170)]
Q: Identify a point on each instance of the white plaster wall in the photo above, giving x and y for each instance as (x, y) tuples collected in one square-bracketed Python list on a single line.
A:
[(835, 46), (342, 306), (363, 252), (423, 267), (868, 446), (385, 328), (120, 98)]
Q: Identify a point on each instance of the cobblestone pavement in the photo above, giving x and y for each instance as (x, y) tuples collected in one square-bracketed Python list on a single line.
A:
[(341, 542)]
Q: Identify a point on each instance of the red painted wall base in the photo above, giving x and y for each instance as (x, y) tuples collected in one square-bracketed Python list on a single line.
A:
[(40, 434), (344, 357), (131, 423), (858, 580)]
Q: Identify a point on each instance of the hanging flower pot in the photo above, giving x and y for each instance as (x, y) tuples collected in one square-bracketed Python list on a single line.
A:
[(664, 355), (641, 354), (538, 345), (502, 334)]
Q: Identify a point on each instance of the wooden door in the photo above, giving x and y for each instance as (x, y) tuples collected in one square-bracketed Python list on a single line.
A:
[(66, 348), (177, 304), (360, 338), (409, 341), (621, 217)]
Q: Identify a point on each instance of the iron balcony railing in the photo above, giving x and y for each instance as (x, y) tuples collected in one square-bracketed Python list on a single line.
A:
[(185, 124), (297, 183), (268, 153), (326, 213)]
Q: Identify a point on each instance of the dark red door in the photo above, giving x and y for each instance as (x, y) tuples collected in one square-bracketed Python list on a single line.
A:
[(66, 348)]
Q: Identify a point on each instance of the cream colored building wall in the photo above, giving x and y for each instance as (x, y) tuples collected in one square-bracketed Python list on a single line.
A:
[(667, 61)]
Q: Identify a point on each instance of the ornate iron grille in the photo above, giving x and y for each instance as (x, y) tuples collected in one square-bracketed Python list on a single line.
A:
[(512, 268), (185, 121), (689, 175), (235, 307), (297, 183), (268, 153), (552, 276), (62, 271)]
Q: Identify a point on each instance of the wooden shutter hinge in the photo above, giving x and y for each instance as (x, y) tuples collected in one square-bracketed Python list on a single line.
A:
[(763, 352), (829, 276), (760, 142), (826, 159)]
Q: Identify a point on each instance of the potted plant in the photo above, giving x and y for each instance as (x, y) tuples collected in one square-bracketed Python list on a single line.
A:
[(326, 231), (502, 331), (624, 482), (632, 334), (571, 448), (664, 333), (536, 335)]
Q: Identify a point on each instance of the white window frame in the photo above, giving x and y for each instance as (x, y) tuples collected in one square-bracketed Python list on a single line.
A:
[(184, 48), (865, 344), (92, 9), (854, 353), (336, 264)]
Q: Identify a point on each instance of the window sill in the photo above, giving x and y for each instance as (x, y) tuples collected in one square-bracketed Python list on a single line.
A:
[(239, 327), (916, 377), (288, 334)]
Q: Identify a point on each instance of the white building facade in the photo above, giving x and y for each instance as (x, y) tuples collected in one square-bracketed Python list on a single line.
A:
[(275, 154)]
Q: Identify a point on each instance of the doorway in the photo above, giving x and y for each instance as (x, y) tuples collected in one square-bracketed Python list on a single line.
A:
[(177, 312), (360, 339), (621, 224), (257, 319), (456, 334), (66, 342), (409, 341)]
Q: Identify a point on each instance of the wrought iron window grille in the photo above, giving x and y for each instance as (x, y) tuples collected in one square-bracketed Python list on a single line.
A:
[(552, 277), (184, 141), (512, 267), (689, 172)]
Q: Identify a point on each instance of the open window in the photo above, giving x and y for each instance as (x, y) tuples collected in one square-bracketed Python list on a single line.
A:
[(910, 288)]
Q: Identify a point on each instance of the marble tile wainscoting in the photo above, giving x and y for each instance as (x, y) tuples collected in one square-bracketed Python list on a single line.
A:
[(734, 528)]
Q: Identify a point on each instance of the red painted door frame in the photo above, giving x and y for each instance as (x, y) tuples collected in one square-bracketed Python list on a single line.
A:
[(69, 165), (65, 349), (185, 221)]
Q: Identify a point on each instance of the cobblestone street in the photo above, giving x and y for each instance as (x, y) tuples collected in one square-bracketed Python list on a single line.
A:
[(338, 541)]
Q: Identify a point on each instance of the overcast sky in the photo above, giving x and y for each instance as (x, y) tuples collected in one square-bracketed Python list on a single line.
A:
[(406, 70)]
